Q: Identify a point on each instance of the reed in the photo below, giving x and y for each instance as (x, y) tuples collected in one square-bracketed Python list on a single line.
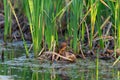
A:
[(35, 76), (81, 17), (43, 22), (94, 9), (117, 28), (76, 15), (13, 11), (117, 22), (7, 19), (34, 12), (51, 35), (97, 67)]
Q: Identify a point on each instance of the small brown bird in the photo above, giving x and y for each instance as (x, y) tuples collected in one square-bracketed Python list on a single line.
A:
[(70, 56), (63, 51), (63, 47)]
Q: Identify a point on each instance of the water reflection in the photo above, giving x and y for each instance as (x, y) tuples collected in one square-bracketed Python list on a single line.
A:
[(2, 77), (32, 70), (17, 67)]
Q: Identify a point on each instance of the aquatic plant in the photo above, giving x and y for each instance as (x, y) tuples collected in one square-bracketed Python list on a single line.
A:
[(117, 29), (34, 12), (7, 19), (13, 11), (93, 23)]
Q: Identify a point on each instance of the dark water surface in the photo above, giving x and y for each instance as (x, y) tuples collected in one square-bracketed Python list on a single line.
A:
[(17, 67)]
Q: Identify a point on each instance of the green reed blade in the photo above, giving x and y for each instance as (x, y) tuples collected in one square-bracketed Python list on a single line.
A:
[(25, 45), (7, 29), (94, 9)]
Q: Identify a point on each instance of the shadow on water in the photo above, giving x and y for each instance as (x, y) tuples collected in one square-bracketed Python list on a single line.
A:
[(17, 67)]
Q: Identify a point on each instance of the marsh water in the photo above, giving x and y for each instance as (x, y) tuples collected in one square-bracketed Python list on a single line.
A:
[(16, 66)]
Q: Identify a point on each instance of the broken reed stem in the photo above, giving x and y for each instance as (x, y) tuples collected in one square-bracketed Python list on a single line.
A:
[(54, 53)]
